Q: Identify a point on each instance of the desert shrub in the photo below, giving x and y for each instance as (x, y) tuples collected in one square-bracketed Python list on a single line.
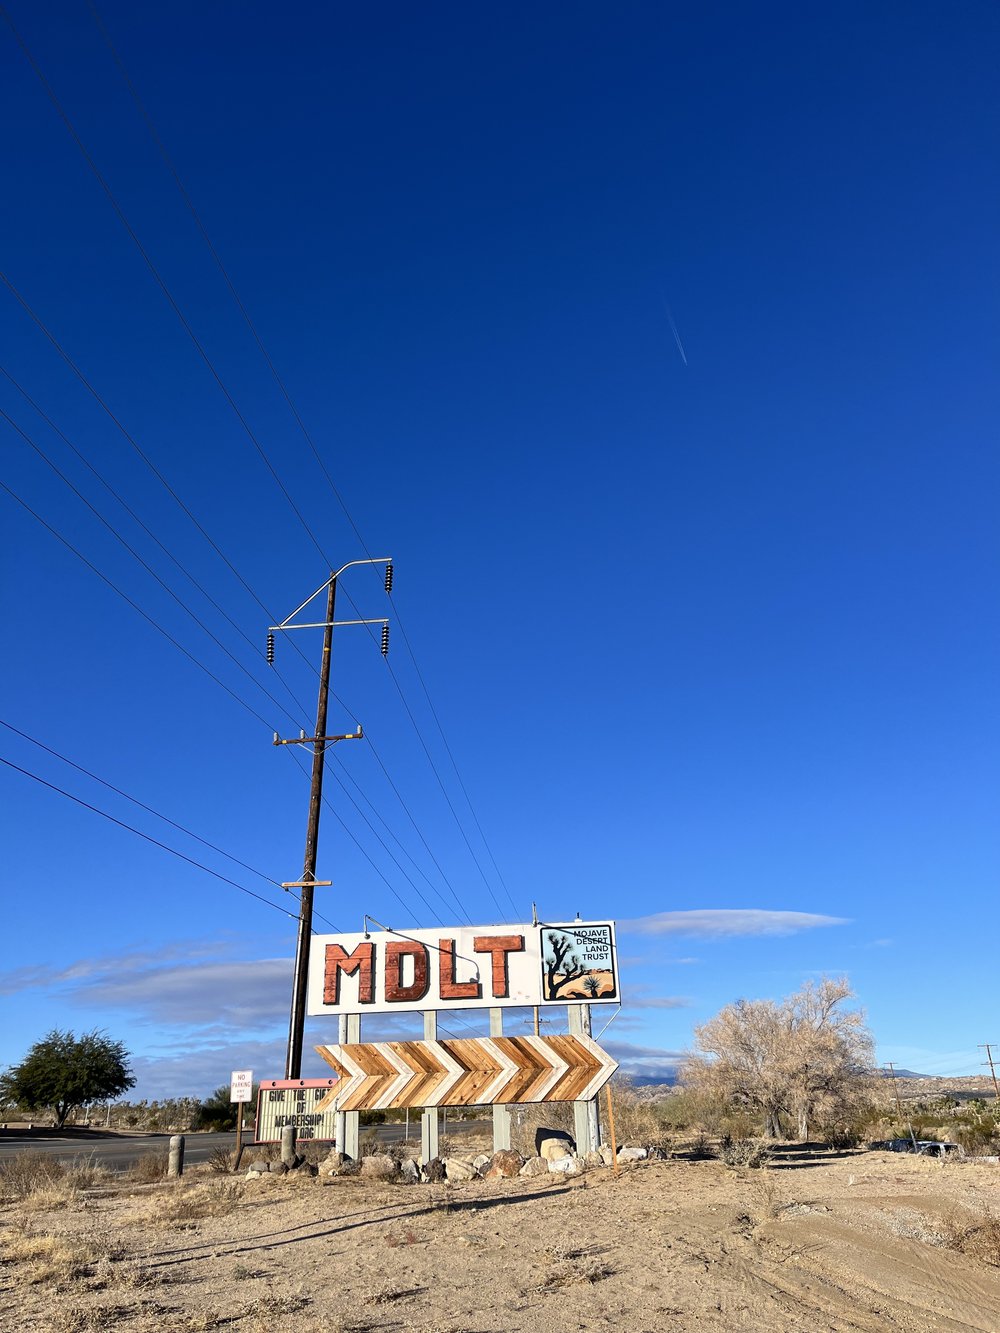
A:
[(976, 1236), (843, 1136), (148, 1168), (29, 1172), (750, 1152), (978, 1140), (638, 1120)]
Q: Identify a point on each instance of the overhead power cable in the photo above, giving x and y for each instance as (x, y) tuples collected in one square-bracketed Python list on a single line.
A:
[(148, 568), (209, 364), (145, 836), (279, 381), (145, 527), (95, 777), (135, 606)]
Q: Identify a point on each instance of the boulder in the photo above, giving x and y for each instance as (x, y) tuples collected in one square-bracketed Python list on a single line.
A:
[(278, 1168), (482, 1161), (258, 1168), (606, 1155), (595, 1159), (409, 1171), (458, 1168), (555, 1147), (503, 1164), (380, 1166), (567, 1166), (543, 1136), (632, 1154), (534, 1166), (433, 1171)]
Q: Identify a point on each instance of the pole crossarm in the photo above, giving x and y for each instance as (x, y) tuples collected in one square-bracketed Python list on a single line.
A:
[(375, 560)]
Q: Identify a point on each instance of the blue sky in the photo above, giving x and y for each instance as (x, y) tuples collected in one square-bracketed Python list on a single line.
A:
[(657, 345)]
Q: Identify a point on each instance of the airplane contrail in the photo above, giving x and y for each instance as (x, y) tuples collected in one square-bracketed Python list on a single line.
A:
[(677, 336)]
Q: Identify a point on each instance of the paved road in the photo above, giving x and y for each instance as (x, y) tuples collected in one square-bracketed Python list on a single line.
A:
[(117, 1152)]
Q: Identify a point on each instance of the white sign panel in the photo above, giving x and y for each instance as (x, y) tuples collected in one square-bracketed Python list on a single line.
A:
[(241, 1085), (282, 1102), (469, 967)]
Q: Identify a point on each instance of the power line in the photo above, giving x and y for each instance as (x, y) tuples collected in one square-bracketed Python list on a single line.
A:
[(148, 568), (135, 606), (229, 398), (146, 529), (172, 169), (145, 836), (135, 801)]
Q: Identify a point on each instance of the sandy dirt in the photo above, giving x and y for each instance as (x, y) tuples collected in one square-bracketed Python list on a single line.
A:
[(855, 1241)]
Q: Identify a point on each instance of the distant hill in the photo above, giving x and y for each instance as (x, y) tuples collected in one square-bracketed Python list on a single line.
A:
[(903, 1073)]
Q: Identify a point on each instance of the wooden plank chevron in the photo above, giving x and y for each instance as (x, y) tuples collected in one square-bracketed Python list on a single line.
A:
[(472, 1071)]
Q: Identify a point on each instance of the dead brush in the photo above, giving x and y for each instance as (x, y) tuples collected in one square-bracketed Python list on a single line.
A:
[(48, 1258), (975, 1236), (27, 1173), (185, 1206), (747, 1152), (147, 1169)]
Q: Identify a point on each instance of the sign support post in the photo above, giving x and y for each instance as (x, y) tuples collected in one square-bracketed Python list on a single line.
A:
[(501, 1115), (430, 1143), (586, 1125)]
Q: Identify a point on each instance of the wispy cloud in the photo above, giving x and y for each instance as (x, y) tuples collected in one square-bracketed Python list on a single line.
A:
[(636, 997), (651, 1063), (726, 923)]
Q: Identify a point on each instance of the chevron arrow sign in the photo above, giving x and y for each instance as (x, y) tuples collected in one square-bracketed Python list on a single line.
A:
[(473, 1071)]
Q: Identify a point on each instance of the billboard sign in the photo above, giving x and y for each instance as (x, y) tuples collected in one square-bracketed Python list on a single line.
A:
[(469, 967), (282, 1101)]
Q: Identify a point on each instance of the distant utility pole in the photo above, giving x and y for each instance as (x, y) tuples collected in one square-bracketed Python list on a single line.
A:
[(319, 742), (895, 1088), (985, 1046)]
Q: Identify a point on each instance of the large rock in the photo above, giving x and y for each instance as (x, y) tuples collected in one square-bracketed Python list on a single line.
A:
[(534, 1166), (434, 1170), (567, 1166), (380, 1166), (595, 1159), (632, 1154), (458, 1168), (504, 1163), (555, 1147), (543, 1136), (409, 1171), (482, 1161)]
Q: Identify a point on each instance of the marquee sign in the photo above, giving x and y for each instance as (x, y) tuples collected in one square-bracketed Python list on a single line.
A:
[(298, 1102), (470, 967)]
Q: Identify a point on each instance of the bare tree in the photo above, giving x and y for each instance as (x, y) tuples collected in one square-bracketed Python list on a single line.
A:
[(807, 1057)]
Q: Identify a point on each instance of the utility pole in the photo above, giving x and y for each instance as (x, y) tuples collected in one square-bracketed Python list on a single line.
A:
[(985, 1045), (895, 1088), (296, 1025), (319, 742)]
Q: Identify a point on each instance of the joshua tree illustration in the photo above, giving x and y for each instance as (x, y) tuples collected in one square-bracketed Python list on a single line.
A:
[(592, 983), (560, 959)]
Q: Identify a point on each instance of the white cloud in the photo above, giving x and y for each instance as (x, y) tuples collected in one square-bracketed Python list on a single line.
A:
[(650, 1064), (724, 923)]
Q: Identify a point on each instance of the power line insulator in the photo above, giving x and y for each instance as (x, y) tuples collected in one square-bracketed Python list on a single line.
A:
[(385, 640), (270, 648), (388, 577)]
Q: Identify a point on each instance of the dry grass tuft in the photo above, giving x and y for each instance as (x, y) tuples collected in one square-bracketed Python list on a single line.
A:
[(186, 1204), (975, 1236), (49, 1258), (147, 1169)]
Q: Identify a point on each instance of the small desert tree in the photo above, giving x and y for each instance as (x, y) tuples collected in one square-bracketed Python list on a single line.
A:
[(61, 1073), (807, 1056)]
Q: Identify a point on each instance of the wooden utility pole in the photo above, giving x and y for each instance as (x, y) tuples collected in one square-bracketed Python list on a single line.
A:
[(895, 1088), (985, 1045), (296, 1026)]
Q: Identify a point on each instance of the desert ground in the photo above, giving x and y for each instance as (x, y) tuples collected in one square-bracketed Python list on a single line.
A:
[(815, 1241)]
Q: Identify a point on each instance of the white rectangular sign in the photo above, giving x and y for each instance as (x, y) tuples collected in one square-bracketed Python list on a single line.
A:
[(468, 967), (282, 1102), (241, 1085)]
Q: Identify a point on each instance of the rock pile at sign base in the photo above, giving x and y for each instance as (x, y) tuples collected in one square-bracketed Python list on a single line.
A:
[(504, 1163)]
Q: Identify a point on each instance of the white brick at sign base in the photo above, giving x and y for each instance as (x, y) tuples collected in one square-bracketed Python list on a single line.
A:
[(241, 1085)]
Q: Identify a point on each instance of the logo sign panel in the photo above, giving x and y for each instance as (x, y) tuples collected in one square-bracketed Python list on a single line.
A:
[(241, 1085), (468, 967), (282, 1102)]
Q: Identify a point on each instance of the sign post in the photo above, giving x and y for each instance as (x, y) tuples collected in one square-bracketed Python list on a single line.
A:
[(240, 1092)]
